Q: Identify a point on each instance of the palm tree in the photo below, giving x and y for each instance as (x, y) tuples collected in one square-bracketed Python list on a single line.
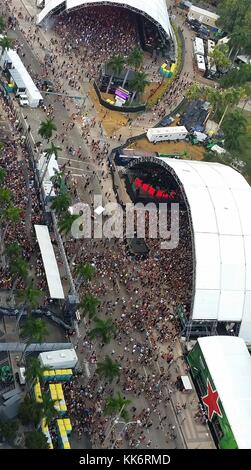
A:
[(34, 329), (49, 152), (61, 203), (58, 181), (135, 60), (116, 65), (138, 84), (36, 440), (3, 173), (104, 329), (65, 222), (11, 215), (13, 250), (117, 404), (89, 304), (2, 24), (29, 298), (5, 197), (5, 44), (108, 369), (34, 371), (47, 128), (30, 411), (234, 126), (19, 268), (85, 272), (48, 408)]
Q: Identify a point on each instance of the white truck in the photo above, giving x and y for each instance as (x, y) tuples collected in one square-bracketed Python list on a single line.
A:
[(61, 359), (158, 134)]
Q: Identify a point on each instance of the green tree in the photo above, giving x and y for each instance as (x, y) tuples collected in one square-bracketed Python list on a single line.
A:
[(11, 215), (105, 329), (2, 25), (53, 150), (5, 44), (85, 272), (34, 371), (30, 412), (2, 173), (61, 203), (49, 411), (19, 269), (138, 84), (195, 92), (47, 128), (108, 369), (219, 56), (134, 60), (33, 330), (117, 404), (36, 440), (116, 66), (8, 429), (13, 250), (89, 305), (30, 297), (58, 181), (65, 222), (234, 126), (5, 197)]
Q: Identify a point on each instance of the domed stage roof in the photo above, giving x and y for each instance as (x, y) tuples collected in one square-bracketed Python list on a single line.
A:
[(155, 10)]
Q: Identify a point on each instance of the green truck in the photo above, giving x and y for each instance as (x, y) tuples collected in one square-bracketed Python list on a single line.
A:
[(221, 370)]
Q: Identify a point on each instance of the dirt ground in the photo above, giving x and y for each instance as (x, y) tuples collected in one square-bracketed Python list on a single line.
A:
[(111, 120), (186, 149)]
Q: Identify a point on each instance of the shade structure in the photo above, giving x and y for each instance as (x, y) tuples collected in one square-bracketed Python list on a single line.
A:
[(229, 364), (50, 262), (218, 199), (155, 10)]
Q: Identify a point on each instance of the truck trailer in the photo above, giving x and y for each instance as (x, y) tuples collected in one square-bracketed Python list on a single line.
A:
[(158, 134)]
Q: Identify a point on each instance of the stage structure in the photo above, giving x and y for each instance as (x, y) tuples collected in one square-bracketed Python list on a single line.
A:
[(218, 201), (155, 11)]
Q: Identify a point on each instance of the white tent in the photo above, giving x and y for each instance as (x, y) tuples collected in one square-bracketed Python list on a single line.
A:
[(50, 262), (229, 364), (219, 199), (155, 10)]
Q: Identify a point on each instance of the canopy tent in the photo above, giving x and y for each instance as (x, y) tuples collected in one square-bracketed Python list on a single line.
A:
[(155, 10), (49, 261), (229, 364)]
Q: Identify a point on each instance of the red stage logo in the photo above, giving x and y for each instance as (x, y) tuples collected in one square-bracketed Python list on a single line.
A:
[(211, 402)]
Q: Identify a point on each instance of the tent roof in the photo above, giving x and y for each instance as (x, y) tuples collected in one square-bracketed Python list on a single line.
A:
[(156, 10), (220, 200), (50, 262), (229, 364)]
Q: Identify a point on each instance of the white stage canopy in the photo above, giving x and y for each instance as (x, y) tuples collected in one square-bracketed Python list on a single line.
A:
[(156, 10), (50, 262), (229, 364), (219, 199)]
